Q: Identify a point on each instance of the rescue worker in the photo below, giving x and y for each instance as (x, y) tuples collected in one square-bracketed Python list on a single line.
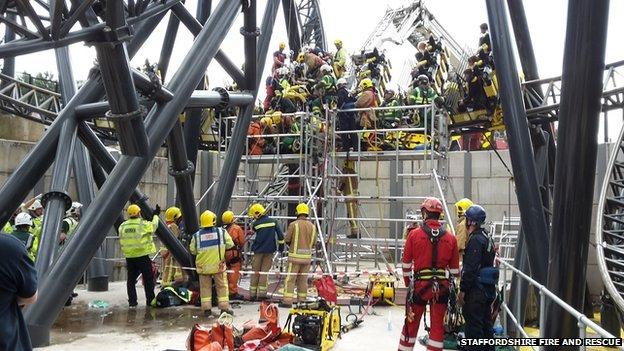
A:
[(423, 94), (478, 280), (367, 99), (9, 226), (301, 239), (429, 252), (137, 243), (460, 228), (209, 244), (257, 128), (313, 64), (340, 59), (269, 238), (23, 223), (70, 222), (390, 118), (279, 57), (36, 212), (346, 120), (326, 87), (172, 271), (349, 188), (234, 255)]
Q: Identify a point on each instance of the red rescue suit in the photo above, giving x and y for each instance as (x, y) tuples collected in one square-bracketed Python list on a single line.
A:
[(430, 285)]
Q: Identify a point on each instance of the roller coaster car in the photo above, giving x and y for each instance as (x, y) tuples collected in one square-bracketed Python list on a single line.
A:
[(316, 325), (494, 121)]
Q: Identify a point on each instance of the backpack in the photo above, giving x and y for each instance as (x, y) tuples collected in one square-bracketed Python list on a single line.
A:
[(170, 296)]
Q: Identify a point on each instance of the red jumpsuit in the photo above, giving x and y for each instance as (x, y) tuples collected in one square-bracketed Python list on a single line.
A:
[(418, 257)]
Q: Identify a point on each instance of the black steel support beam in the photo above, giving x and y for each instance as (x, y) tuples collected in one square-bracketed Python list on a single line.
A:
[(250, 34), (8, 64), (167, 46), (115, 70), (581, 87), (97, 279), (533, 221), (291, 16), (227, 177), (34, 166), (123, 180), (181, 168)]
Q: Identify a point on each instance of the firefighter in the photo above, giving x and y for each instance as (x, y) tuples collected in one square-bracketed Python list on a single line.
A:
[(172, 271), (460, 228), (479, 278), (423, 94), (279, 57), (137, 243), (234, 255), (346, 120), (209, 244), (301, 239), (390, 118), (429, 252), (349, 188), (269, 238), (367, 99), (340, 59)]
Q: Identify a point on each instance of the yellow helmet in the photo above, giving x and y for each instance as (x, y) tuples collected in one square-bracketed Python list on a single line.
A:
[(462, 205), (227, 217), (172, 214), (276, 117), (301, 57), (207, 219), (302, 209), (338, 42), (256, 210), (282, 45), (267, 121), (133, 210), (366, 83)]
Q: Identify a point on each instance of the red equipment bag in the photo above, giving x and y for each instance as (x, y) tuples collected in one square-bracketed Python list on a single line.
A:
[(223, 334), (198, 338), (268, 313), (326, 289), (203, 339)]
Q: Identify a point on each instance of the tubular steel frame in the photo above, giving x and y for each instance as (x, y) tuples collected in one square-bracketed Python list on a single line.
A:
[(118, 29)]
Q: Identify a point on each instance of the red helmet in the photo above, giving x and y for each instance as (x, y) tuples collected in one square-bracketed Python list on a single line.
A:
[(432, 205)]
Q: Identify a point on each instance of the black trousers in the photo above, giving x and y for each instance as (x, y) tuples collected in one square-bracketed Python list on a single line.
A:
[(478, 320), (346, 121), (140, 265)]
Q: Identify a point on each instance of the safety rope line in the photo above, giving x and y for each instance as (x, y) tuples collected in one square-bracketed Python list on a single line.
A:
[(497, 154)]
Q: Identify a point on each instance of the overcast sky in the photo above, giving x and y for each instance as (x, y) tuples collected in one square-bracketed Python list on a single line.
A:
[(353, 21)]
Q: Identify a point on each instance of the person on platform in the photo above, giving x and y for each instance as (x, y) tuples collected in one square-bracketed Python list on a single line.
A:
[(269, 239), (234, 255)]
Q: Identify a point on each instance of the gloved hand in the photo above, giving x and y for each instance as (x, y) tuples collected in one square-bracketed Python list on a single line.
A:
[(156, 210)]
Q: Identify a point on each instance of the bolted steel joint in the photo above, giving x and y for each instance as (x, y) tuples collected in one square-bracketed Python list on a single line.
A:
[(56, 195), (254, 33), (142, 111), (190, 167), (225, 98)]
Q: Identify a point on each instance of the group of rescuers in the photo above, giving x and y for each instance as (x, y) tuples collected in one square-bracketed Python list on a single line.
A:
[(218, 254), (430, 255)]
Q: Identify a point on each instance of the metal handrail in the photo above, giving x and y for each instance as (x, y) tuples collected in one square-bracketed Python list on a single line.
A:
[(583, 321)]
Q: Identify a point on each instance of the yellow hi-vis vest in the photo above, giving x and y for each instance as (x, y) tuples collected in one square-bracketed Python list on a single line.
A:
[(209, 244), (135, 237), (300, 250)]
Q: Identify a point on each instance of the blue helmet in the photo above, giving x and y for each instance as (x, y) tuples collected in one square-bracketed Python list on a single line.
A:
[(475, 214)]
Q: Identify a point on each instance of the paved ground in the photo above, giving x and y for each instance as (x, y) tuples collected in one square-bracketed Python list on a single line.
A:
[(117, 328)]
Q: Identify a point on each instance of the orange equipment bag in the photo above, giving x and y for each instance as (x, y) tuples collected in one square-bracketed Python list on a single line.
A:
[(202, 339), (326, 288), (269, 313)]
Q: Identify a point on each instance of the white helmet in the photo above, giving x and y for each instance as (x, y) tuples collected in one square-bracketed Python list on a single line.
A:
[(341, 81), (35, 205), (23, 219), (326, 68), (283, 71), (75, 209)]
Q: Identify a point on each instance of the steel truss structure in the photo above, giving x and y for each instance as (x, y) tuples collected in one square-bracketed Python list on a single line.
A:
[(143, 111)]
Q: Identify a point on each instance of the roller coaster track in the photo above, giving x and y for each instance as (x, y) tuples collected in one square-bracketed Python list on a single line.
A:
[(610, 225)]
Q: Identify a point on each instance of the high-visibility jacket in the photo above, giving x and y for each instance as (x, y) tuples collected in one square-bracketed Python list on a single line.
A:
[(421, 96), (8, 228), (418, 256), (209, 244), (301, 238), (268, 235), (136, 237), (30, 242), (72, 223), (35, 229), (340, 57)]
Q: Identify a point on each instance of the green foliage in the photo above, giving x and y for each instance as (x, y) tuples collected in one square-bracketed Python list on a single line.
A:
[(44, 80)]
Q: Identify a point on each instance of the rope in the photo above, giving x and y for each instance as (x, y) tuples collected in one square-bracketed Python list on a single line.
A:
[(497, 154), (310, 274)]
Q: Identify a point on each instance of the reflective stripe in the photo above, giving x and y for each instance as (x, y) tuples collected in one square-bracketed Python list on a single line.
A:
[(223, 298), (411, 340), (406, 348), (454, 270), (264, 225), (406, 274), (206, 299), (407, 265), (438, 344)]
